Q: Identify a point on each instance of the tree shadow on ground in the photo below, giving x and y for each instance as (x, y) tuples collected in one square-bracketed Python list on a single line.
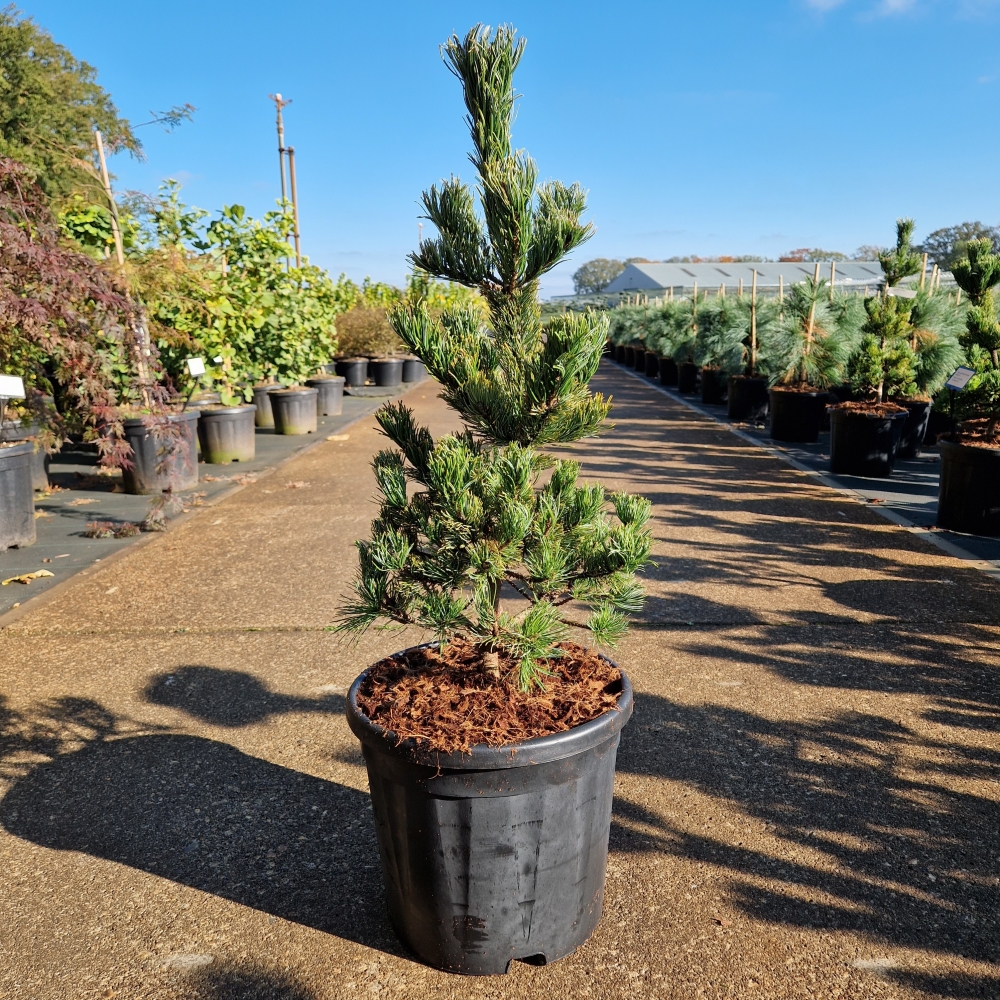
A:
[(197, 812), (232, 981), (866, 830), (229, 697)]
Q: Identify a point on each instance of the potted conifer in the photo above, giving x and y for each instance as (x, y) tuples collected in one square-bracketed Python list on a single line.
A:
[(969, 491), (491, 751), (808, 352)]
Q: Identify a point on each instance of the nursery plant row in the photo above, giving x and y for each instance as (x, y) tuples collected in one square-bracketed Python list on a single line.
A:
[(883, 372)]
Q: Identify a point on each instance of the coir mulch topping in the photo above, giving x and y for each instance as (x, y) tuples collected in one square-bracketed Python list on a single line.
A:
[(975, 433), (446, 701)]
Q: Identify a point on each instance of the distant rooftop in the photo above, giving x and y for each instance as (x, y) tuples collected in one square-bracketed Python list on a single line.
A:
[(658, 277)]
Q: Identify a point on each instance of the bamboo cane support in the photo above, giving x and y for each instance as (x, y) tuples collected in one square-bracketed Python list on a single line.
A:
[(295, 205)]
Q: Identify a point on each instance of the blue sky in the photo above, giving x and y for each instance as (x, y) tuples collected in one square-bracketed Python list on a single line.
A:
[(705, 128)]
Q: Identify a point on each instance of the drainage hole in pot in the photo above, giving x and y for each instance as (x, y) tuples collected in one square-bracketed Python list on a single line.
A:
[(538, 959)]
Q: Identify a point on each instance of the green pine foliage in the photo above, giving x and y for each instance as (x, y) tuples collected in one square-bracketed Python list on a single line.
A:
[(470, 539), (902, 260), (977, 275)]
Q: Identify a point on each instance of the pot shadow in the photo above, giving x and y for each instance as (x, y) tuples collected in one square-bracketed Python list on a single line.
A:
[(205, 815), (229, 698), (850, 822)]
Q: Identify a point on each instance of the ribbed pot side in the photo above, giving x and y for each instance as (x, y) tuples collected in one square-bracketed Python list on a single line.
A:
[(969, 490), (17, 498), (497, 854)]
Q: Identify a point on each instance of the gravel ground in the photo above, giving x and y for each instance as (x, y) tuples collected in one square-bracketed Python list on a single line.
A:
[(806, 803)]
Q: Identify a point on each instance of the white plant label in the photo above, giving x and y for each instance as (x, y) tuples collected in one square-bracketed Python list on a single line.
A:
[(959, 379), (11, 387), (196, 366)]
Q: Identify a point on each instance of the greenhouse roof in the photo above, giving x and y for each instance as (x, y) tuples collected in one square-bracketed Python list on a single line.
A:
[(651, 277)]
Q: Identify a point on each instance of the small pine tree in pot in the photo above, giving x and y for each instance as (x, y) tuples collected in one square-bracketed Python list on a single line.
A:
[(491, 753), (969, 492)]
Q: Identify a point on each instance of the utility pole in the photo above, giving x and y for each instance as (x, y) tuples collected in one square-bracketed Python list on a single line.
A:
[(279, 104)]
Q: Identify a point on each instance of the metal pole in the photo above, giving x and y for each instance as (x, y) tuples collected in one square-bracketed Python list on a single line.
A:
[(279, 104), (295, 205)]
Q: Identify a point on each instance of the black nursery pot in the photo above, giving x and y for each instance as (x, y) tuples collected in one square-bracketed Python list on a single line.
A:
[(864, 444), (797, 416), (713, 388), (330, 394), (164, 453), (652, 364), (294, 411), (262, 400), (639, 359), (668, 372), (687, 378), (620, 354), (629, 359), (747, 398), (414, 370), (918, 417), (969, 491), (499, 853), (226, 434), (386, 371), (354, 370), (17, 497), (17, 431)]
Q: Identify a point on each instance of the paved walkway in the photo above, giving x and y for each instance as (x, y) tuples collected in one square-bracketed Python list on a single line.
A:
[(806, 802)]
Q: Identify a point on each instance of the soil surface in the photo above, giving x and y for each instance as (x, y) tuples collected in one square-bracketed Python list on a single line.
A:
[(446, 699), (806, 804), (870, 409)]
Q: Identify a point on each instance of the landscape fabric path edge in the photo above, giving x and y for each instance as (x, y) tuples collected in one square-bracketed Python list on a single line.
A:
[(989, 567)]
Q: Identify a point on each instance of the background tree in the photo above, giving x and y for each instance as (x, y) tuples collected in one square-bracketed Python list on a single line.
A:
[(596, 275), (812, 254), (479, 522), (50, 103), (946, 247)]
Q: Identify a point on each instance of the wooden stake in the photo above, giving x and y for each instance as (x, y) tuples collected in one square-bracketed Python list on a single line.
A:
[(112, 207), (781, 288), (923, 272), (833, 277), (295, 205), (722, 290), (739, 289)]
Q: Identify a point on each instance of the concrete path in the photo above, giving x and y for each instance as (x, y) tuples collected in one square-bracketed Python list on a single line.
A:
[(806, 801)]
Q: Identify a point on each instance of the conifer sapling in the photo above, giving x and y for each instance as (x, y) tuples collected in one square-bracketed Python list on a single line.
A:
[(480, 524)]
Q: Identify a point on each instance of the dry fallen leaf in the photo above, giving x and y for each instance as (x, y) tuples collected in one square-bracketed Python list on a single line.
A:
[(42, 513), (724, 921), (26, 578), (296, 486), (876, 500), (82, 501), (338, 437)]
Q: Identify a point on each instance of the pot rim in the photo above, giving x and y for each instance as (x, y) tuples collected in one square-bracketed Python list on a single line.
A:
[(481, 757), (945, 445), (325, 378), (387, 359), (301, 390), (220, 410), (799, 392), (172, 417), (10, 447), (268, 387)]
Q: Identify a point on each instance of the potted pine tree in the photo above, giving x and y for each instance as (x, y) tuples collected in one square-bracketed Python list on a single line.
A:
[(807, 352), (969, 491), (491, 751)]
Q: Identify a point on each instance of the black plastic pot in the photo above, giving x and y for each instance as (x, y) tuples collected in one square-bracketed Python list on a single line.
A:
[(747, 398), (938, 423), (864, 444), (294, 410), (386, 371), (164, 453), (18, 430), (330, 398), (17, 497), (620, 354), (713, 386), (687, 378), (414, 370), (668, 371), (639, 359), (262, 400), (609, 350), (202, 399), (797, 416), (652, 364), (226, 434), (354, 370), (969, 491), (499, 853), (918, 417), (330, 367), (629, 359)]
